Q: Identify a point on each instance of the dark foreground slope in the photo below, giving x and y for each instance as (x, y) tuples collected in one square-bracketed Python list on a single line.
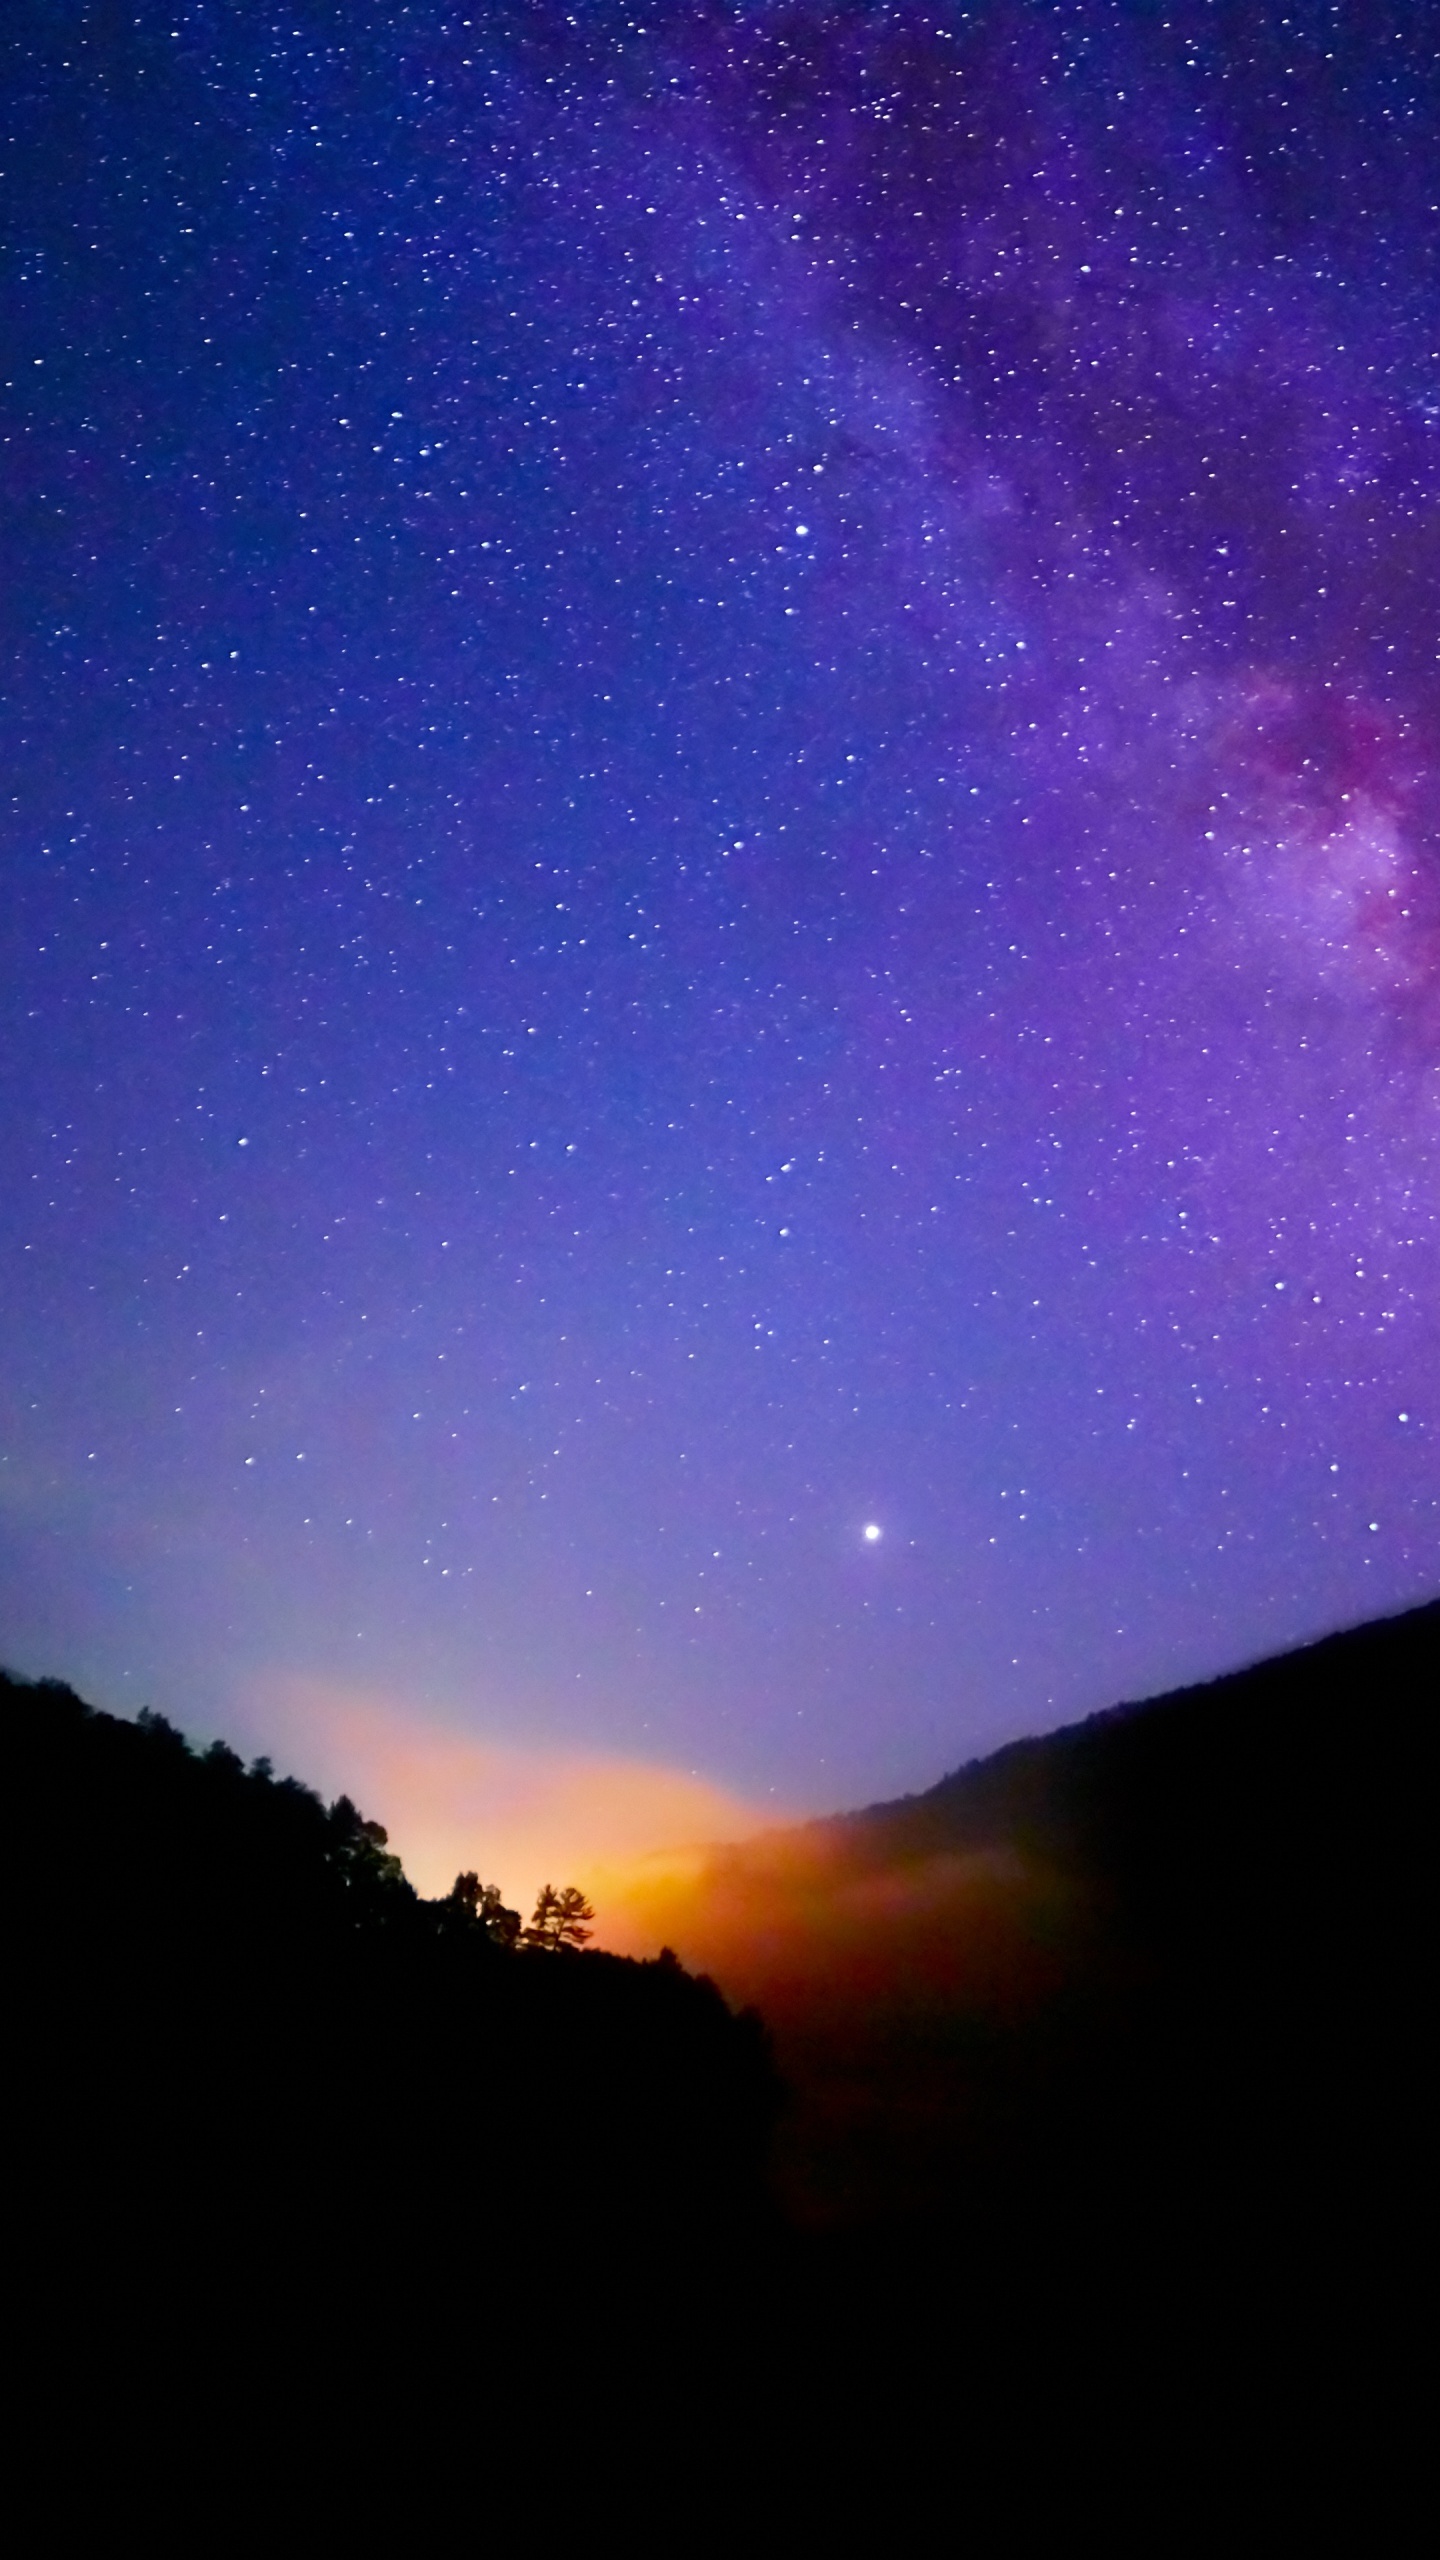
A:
[(1107, 2060), (305, 2159), (1110, 2188), (1196, 1929)]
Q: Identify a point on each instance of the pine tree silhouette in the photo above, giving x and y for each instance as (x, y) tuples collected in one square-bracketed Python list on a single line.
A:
[(558, 1919)]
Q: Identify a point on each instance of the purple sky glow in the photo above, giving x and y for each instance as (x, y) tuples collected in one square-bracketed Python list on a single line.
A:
[(722, 825)]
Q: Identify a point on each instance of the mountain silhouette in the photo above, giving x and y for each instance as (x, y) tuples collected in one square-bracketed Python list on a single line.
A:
[(1101, 2177), (1186, 1909), (1106, 2059)]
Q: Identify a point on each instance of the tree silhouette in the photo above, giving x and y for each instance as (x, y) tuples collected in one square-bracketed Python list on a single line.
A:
[(481, 1904), (558, 1919)]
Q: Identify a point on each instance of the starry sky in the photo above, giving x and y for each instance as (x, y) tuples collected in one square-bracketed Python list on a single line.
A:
[(720, 827)]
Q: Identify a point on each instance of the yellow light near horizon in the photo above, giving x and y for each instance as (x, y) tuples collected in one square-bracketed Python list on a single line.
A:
[(521, 1816)]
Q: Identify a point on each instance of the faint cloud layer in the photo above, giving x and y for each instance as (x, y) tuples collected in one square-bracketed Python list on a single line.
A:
[(521, 1816)]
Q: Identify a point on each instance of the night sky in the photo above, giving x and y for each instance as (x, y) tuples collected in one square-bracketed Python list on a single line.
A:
[(721, 787)]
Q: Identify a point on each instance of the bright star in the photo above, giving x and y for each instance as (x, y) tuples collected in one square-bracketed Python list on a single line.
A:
[(871, 1533)]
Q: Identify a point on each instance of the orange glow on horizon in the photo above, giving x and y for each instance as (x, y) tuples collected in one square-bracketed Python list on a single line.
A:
[(789, 1920), (808, 1922), (521, 1816)]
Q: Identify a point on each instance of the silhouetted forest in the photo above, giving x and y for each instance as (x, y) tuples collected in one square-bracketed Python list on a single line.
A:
[(1102, 2178), (309, 2159)]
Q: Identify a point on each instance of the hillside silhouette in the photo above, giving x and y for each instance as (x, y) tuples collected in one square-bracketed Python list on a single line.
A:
[(1101, 2173), (1181, 1912), (303, 2154), (1107, 2071)]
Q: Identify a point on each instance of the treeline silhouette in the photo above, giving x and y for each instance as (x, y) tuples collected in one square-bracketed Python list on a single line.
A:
[(304, 2154), (1119, 2221)]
